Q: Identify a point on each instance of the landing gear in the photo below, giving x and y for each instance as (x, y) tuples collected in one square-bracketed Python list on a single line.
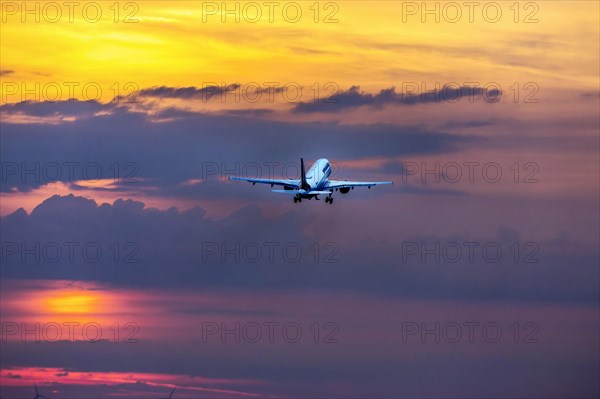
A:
[(329, 199), (297, 199)]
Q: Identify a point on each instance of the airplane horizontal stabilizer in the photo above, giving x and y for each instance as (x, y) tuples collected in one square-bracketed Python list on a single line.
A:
[(319, 192), (285, 191), (302, 192)]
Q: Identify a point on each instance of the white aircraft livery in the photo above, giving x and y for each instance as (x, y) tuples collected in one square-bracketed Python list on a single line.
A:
[(313, 183)]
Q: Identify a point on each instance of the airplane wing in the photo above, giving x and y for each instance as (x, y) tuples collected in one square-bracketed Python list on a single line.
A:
[(293, 183), (332, 184)]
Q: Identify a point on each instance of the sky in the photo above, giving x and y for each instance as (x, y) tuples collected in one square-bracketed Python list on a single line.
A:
[(131, 266)]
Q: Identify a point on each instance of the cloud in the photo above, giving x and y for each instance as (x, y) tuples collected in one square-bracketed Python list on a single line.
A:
[(259, 112), (469, 124), (180, 148), (192, 244), (5, 72), (590, 95), (354, 97), (47, 108), (204, 93)]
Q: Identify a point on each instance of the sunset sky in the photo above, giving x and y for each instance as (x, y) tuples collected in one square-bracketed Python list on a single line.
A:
[(128, 257)]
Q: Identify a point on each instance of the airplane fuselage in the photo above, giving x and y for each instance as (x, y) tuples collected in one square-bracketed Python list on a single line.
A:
[(317, 175)]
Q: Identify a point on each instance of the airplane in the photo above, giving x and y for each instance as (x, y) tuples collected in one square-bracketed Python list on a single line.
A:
[(313, 183)]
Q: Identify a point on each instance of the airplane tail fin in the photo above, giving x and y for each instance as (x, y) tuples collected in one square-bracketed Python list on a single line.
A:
[(304, 184)]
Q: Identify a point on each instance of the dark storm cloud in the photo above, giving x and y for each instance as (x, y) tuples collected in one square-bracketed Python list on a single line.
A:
[(354, 97), (6, 72), (469, 124), (250, 112), (180, 148), (590, 95), (204, 93), (187, 241), (73, 108)]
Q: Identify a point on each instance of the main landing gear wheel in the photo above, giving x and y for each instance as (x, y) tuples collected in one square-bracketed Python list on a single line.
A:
[(329, 199), (295, 200)]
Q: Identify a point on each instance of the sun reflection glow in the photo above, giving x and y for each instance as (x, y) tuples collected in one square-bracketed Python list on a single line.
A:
[(72, 302)]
